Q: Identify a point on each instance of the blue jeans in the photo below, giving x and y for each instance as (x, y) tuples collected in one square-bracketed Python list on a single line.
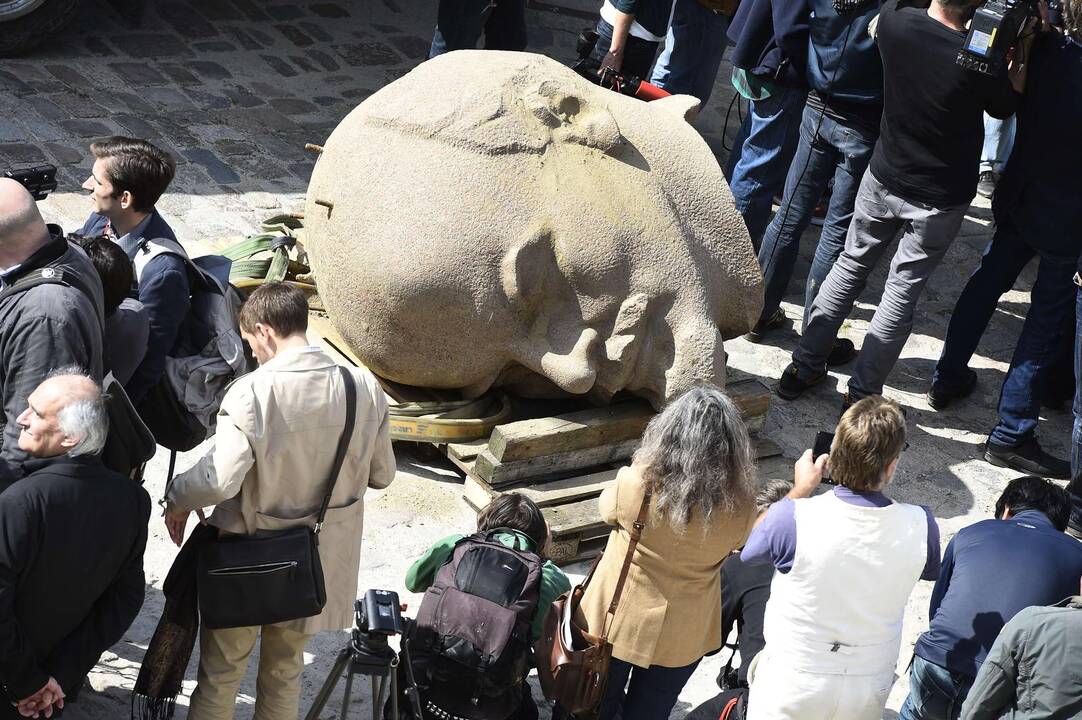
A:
[(839, 151), (762, 153), (650, 692), (638, 53), (1075, 486), (998, 142), (1051, 302), (693, 49), (935, 693), (459, 24)]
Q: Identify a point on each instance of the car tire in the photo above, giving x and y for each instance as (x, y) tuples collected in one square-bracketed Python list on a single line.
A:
[(24, 24)]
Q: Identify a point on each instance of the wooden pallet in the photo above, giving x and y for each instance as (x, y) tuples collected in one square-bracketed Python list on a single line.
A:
[(563, 462)]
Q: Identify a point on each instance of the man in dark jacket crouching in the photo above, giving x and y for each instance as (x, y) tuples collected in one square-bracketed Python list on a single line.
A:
[(72, 535)]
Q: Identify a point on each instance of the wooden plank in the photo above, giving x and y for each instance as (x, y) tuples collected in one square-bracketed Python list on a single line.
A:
[(752, 397), (573, 431), (322, 332), (546, 467), (578, 518), (467, 450), (479, 493)]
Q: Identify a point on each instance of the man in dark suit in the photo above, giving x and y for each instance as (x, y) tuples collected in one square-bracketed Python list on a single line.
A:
[(72, 535)]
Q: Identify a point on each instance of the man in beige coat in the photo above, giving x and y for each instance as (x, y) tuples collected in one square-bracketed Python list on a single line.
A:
[(278, 428)]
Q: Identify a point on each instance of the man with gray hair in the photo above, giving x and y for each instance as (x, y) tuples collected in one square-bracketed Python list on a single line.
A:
[(51, 309), (71, 550)]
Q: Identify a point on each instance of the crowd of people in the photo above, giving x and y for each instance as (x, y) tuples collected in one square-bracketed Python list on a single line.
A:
[(116, 329)]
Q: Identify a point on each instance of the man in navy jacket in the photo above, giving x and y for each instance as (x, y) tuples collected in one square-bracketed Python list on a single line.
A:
[(769, 58), (1035, 216), (128, 177), (991, 571)]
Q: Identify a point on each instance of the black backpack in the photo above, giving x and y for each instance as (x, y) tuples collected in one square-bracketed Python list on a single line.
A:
[(470, 648)]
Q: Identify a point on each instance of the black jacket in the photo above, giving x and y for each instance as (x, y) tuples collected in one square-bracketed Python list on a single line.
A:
[(46, 327), (770, 40), (72, 535)]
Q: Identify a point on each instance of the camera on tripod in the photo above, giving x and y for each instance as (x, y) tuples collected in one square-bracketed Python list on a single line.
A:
[(377, 616), (994, 33), (40, 180)]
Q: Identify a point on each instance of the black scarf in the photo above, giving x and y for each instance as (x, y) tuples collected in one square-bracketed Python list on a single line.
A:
[(167, 656)]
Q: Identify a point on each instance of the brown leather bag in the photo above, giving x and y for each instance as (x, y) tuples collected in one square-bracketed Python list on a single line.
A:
[(574, 675)]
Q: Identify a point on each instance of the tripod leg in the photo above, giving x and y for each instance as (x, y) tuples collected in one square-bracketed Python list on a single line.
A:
[(328, 685), (394, 694), (347, 694)]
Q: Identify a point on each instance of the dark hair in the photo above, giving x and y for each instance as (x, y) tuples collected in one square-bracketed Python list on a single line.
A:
[(1035, 493), (278, 305), (771, 492), (113, 266), (515, 511), (137, 166)]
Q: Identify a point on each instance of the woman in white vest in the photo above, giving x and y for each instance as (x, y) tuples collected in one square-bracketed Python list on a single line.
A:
[(847, 561)]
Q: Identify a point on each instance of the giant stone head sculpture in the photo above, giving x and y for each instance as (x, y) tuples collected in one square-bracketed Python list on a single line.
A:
[(491, 218)]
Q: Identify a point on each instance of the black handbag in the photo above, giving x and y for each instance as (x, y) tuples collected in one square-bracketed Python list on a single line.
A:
[(270, 577)]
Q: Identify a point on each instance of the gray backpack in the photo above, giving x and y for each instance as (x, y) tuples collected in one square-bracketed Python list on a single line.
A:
[(198, 381)]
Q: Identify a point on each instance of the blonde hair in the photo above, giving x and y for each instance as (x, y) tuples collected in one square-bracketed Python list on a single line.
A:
[(870, 435)]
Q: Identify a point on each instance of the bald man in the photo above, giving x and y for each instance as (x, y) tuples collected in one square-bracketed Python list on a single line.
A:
[(51, 309), (71, 549)]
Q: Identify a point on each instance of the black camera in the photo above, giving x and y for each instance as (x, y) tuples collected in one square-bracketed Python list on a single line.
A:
[(40, 180), (378, 613), (994, 33)]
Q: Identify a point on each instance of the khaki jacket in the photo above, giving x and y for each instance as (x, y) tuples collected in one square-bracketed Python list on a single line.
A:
[(670, 610), (278, 430)]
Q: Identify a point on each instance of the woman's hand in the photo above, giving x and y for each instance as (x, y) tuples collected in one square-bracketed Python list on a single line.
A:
[(808, 474)]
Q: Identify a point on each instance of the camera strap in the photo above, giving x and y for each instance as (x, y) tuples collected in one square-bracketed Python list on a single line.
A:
[(343, 444), (636, 534)]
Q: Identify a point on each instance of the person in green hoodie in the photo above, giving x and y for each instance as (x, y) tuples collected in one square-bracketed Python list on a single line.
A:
[(519, 524)]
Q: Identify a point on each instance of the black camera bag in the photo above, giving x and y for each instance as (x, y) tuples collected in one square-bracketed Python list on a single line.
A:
[(270, 577)]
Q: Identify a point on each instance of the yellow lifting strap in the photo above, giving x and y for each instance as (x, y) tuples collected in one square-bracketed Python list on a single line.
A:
[(449, 421)]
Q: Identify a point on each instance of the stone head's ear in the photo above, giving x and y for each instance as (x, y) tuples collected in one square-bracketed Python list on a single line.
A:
[(683, 106), (573, 117)]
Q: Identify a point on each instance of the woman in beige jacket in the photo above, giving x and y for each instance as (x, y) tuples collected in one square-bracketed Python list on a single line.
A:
[(696, 463)]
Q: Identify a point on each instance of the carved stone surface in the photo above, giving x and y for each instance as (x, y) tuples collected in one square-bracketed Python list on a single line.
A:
[(491, 218)]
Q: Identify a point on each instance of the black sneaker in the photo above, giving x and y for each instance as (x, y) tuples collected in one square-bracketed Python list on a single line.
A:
[(1028, 458), (843, 351), (790, 387), (940, 395), (986, 184), (776, 321)]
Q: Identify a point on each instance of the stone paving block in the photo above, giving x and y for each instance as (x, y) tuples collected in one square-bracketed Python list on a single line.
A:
[(179, 74), (324, 60), (213, 46), (137, 126), (414, 48), (207, 100), (66, 154), (153, 45), (86, 128), (217, 9), (304, 64), (241, 96), (47, 108), (181, 17), (279, 65), (78, 106), (210, 70), (284, 12), (98, 47), (21, 153), (10, 131), (138, 74), (293, 106), (70, 77), (366, 54), (218, 170), (267, 90), (12, 84), (119, 101), (294, 35), (329, 10), (316, 31), (168, 98), (228, 146), (250, 9)]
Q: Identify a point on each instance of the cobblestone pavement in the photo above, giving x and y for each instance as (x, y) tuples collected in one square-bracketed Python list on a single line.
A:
[(235, 88)]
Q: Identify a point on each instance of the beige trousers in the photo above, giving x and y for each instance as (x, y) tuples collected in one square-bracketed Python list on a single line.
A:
[(223, 662)]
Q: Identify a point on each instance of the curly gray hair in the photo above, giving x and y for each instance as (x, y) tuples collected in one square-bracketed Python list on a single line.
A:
[(696, 457)]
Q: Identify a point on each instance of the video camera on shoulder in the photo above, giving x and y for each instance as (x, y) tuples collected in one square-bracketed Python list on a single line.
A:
[(40, 180), (994, 33)]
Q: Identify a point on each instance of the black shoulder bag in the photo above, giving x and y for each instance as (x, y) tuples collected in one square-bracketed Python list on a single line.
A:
[(270, 577)]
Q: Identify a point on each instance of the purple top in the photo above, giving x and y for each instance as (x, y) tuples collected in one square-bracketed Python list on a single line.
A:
[(774, 538)]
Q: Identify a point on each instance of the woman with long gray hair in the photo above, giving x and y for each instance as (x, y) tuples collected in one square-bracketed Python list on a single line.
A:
[(695, 475)]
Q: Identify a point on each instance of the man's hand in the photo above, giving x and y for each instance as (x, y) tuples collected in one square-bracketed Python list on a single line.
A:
[(614, 59), (807, 474), (42, 702), (176, 521)]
